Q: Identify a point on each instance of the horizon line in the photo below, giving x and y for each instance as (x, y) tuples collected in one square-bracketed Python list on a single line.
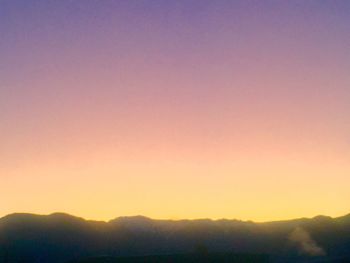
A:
[(169, 219)]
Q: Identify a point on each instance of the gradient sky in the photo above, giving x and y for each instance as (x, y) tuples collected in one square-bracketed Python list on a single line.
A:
[(175, 109)]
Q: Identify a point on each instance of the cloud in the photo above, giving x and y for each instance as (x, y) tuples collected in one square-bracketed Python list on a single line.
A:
[(305, 242)]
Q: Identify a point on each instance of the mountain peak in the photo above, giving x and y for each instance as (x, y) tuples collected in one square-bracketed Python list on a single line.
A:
[(133, 218)]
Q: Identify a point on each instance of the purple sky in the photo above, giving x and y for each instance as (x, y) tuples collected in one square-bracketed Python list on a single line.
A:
[(236, 100)]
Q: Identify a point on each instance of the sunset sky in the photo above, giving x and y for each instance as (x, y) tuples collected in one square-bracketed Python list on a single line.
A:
[(175, 109)]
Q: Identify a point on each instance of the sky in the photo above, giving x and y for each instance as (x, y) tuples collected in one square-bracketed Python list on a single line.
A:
[(175, 109)]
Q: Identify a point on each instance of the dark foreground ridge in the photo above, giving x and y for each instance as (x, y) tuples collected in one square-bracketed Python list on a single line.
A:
[(185, 258), (62, 238)]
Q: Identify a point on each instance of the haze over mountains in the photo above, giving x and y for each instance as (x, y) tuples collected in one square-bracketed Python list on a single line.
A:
[(62, 238)]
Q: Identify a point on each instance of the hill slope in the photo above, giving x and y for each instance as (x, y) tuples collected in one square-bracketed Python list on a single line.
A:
[(61, 237)]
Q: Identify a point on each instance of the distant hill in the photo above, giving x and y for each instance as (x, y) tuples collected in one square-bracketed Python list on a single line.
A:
[(64, 238)]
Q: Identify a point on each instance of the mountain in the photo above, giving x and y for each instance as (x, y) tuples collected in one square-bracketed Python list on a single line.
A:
[(63, 238)]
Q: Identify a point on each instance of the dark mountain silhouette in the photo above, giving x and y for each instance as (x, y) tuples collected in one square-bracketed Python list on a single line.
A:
[(64, 238)]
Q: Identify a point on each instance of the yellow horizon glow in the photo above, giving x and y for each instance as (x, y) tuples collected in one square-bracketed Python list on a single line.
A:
[(160, 188)]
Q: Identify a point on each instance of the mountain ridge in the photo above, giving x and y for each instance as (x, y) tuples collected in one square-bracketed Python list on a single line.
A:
[(142, 217), (60, 237)]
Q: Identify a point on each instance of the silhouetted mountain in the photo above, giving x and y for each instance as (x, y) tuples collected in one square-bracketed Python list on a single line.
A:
[(62, 238)]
